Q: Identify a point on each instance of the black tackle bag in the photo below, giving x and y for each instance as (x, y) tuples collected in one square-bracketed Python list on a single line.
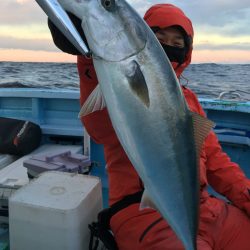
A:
[(18, 137)]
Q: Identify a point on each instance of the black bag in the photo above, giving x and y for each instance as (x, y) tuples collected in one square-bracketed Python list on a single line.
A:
[(18, 137), (100, 230)]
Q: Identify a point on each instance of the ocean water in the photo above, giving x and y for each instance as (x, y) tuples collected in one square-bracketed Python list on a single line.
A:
[(206, 80)]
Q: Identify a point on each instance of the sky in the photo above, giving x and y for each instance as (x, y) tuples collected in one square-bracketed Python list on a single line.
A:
[(222, 30)]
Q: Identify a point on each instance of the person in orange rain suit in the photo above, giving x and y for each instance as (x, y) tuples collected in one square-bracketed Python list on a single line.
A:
[(222, 226)]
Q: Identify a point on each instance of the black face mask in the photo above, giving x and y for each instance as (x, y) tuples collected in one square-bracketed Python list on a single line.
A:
[(175, 54)]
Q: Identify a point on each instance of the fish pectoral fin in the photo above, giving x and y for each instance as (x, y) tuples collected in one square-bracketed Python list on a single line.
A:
[(137, 82), (202, 127), (94, 102), (146, 201)]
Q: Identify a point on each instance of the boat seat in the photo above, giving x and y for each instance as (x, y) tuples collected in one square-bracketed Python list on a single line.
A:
[(235, 136)]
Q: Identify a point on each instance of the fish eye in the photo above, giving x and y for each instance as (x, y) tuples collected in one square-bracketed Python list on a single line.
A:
[(109, 5)]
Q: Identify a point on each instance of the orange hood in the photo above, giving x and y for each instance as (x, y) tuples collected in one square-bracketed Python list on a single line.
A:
[(166, 15)]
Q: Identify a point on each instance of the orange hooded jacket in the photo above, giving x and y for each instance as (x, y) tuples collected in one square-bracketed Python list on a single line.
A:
[(216, 167)]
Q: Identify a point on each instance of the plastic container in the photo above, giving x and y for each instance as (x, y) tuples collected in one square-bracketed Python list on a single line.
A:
[(53, 212), (64, 161), (15, 174)]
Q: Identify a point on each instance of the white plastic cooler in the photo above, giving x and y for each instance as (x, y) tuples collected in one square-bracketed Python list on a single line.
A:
[(53, 212)]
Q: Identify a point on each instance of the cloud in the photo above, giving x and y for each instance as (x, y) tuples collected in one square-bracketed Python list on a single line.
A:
[(218, 24), (23, 1), (226, 17), (32, 31), (229, 16), (20, 12), (232, 46), (237, 29), (27, 44), (140, 6)]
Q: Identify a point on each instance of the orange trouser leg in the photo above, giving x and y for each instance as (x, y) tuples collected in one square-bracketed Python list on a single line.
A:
[(235, 231), (145, 230)]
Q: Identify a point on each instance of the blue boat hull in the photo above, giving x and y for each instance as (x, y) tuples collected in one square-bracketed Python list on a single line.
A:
[(56, 112)]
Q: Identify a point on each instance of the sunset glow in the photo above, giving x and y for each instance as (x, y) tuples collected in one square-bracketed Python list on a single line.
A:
[(35, 56), (222, 33)]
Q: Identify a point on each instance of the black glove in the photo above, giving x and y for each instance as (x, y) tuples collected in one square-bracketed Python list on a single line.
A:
[(61, 41)]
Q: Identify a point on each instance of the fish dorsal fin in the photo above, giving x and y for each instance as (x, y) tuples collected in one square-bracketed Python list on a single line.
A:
[(146, 201), (137, 82), (202, 126), (94, 102)]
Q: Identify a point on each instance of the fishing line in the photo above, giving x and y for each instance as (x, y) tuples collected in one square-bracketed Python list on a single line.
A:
[(185, 79)]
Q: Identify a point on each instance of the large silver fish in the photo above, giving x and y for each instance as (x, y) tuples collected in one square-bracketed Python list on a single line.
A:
[(147, 108)]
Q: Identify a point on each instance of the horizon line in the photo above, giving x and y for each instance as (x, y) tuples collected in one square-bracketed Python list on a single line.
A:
[(68, 62)]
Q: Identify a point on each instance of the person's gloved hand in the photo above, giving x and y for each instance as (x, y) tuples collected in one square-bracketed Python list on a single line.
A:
[(61, 41)]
